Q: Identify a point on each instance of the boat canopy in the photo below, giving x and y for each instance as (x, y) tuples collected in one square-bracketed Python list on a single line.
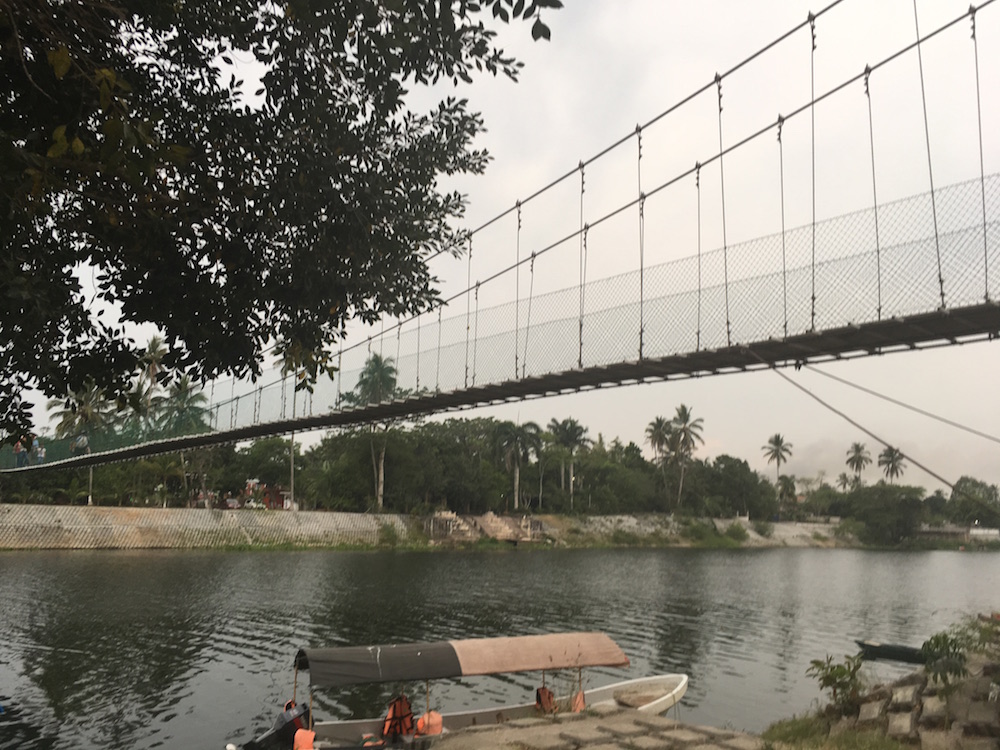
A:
[(352, 665)]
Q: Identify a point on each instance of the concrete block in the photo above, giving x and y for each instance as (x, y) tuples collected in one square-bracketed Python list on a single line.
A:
[(984, 717), (683, 737), (532, 721), (845, 724), (936, 739), (584, 734), (742, 742), (713, 732), (905, 697), (935, 710), (656, 723), (649, 742), (622, 726), (974, 688), (978, 743), (871, 712), (902, 725), (604, 709)]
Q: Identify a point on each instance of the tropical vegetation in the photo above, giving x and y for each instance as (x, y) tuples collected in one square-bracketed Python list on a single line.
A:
[(470, 466)]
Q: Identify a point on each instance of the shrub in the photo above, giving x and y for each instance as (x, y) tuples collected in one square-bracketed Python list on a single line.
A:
[(388, 535), (736, 532), (622, 538), (945, 657), (763, 528), (841, 679)]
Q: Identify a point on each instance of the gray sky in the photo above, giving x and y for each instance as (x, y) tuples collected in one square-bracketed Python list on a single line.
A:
[(610, 66)]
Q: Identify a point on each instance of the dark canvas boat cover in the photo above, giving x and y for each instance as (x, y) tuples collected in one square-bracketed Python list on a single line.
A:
[(336, 667)]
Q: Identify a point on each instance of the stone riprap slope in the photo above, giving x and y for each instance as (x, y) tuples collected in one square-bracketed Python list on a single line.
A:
[(66, 527)]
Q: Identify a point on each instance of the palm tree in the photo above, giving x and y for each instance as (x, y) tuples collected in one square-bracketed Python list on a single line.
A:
[(516, 443), (844, 481), (80, 415), (857, 459), (376, 383), (183, 411), (891, 461), (777, 451), (685, 435), (658, 435), (571, 435)]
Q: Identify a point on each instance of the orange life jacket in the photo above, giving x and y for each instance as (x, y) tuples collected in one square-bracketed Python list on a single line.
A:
[(579, 703), (545, 701), (399, 719), (304, 739), (430, 723)]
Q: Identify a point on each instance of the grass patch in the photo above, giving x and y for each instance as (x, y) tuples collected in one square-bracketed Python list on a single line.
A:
[(737, 533), (820, 537), (622, 538), (808, 731), (812, 733), (764, 528), (705, 536)]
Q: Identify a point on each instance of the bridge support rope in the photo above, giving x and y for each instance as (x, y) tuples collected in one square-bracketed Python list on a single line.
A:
[(722, 188), (437, 366), (697, 187), (517, 290), (468, 307), (527, 324), (583, 256), (642, 239), (982, 169), (930, 166), (878, 242), (784, 264), (812, 115)]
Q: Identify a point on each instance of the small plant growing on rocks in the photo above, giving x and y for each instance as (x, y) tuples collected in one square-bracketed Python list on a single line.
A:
[(945, 658), (841, 679)]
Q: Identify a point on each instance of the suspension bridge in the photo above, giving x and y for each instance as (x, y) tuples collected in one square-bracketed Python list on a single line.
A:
[(632, 266)]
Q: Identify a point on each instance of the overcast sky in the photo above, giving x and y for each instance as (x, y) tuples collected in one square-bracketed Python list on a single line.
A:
[(610, 66)]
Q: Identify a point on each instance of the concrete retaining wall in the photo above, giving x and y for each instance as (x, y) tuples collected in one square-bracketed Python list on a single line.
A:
[(65, 527)]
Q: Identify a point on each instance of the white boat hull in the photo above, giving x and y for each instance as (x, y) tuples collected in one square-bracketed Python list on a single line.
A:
[(652, 695)]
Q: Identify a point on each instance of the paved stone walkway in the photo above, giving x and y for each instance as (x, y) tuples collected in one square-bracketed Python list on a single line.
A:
[(612, 729), (912, 710)]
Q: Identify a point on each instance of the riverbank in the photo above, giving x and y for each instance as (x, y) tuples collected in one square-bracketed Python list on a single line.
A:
[(25, 527)]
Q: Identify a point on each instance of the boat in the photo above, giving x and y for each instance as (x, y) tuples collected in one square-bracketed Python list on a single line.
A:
[(344, 666), (872, 650)]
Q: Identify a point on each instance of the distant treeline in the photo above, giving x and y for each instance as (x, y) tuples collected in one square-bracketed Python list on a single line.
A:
[(471, 466)]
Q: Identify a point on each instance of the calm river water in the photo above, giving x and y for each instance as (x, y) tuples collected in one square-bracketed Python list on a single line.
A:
[(107, 650)]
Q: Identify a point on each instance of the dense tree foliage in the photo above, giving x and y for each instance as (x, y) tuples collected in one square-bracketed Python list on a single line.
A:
[(138, 179)]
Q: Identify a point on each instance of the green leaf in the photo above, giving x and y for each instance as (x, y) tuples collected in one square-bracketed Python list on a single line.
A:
[(105, 96), (60, 61), (57, 149), (540, 31), (78, 147)]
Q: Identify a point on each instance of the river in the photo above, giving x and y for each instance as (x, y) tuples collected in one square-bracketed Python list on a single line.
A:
[(193, 649)]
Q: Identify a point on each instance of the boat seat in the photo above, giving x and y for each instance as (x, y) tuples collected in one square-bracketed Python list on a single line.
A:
[(635, 698)]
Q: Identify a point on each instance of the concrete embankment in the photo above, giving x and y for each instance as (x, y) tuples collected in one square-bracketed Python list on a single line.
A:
[(66, 527), (75, 527)]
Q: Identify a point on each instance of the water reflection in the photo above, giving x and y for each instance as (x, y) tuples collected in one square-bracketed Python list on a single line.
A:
[(195, 649)]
